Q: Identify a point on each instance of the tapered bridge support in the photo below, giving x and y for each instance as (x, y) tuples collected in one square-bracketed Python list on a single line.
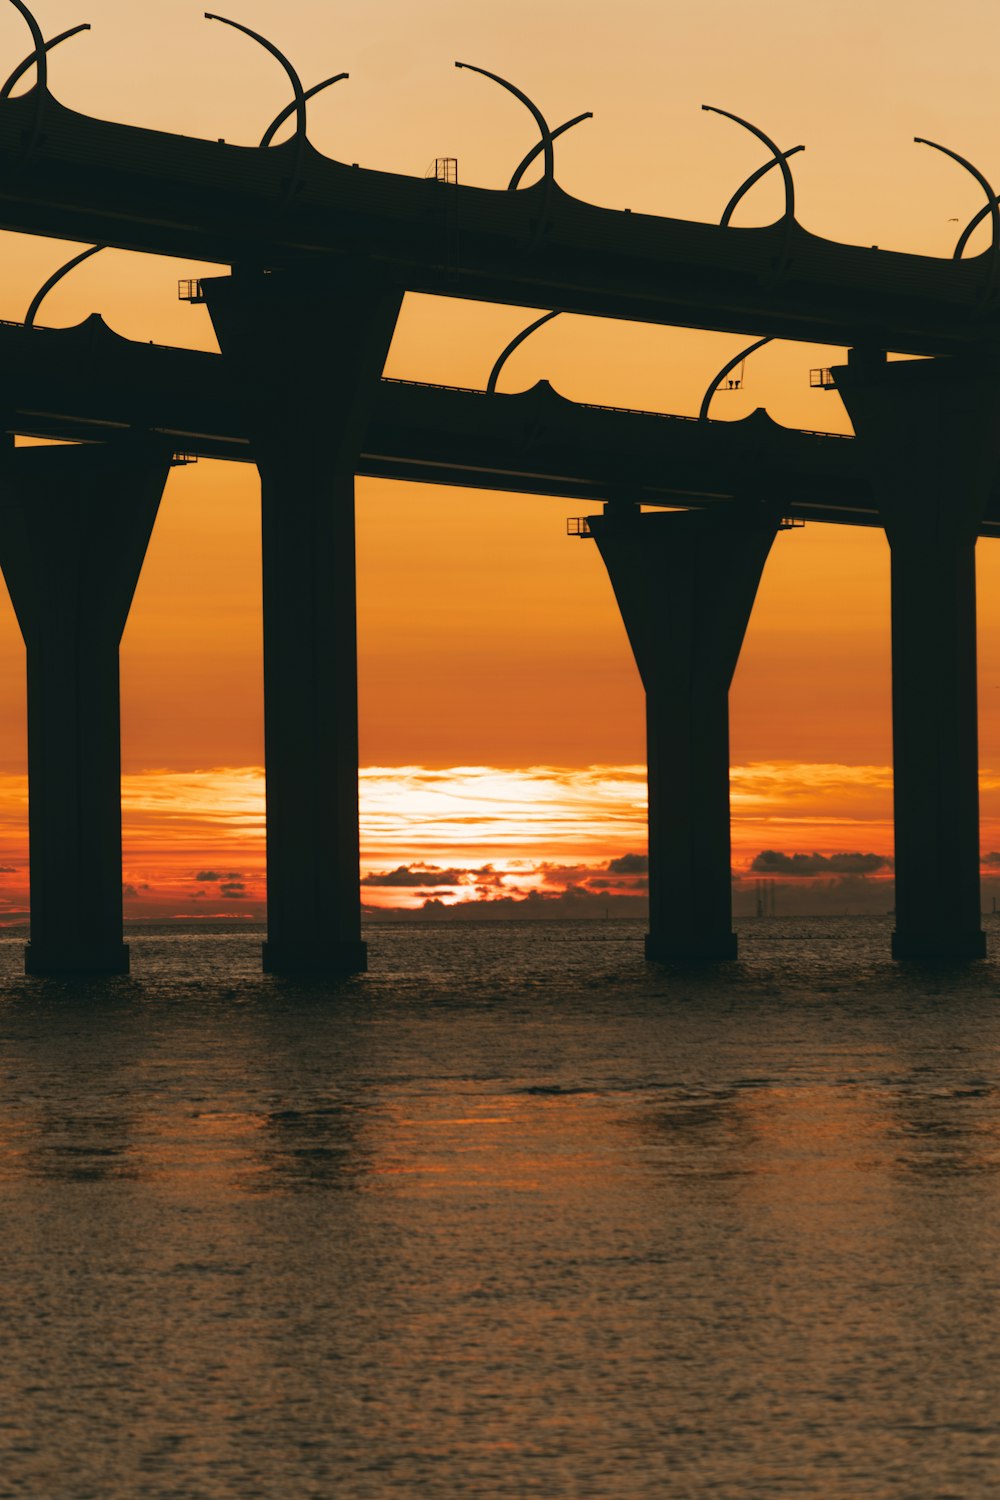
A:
[(686, 583), (928, 431), (74, 526), (306, 358)]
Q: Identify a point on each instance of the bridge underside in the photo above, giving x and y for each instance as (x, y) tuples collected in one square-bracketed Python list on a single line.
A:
[(88, 384)]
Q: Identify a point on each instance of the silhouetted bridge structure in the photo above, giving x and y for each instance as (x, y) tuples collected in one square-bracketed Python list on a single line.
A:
[(322, 254)]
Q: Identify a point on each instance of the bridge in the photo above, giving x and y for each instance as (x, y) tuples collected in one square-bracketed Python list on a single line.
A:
[(321, 254)]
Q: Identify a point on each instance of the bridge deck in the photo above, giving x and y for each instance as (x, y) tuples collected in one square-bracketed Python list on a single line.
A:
[(96, 182)]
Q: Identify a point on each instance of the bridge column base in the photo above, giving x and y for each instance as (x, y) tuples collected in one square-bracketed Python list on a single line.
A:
[(41, 960), (664, 950), (321, 960), (942, 947)]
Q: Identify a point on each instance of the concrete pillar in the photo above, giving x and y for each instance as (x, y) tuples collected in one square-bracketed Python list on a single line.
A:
[(928, 432), (74, 526), (306, 358), (686, 582)]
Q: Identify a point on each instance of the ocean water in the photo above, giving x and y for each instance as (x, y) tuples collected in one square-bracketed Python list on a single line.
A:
[(513, 1214)]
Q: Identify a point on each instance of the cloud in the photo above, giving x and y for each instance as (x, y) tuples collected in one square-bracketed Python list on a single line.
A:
[(233, 888), (635, 883), (208, 875), (774, 862), (543, 905), (792, 780), (991, 859), (407, 875), (8, 869), (129, 890), (520, 879)]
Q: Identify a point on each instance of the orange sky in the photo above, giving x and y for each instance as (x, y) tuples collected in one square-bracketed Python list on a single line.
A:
[(487, 638)]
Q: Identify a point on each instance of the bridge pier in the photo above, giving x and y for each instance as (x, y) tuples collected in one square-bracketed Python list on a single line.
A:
[(74, 526), (928, 432), (685, 582), (305, 358)]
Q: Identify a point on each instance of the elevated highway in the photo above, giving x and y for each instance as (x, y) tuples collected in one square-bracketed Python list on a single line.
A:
[(68, 175)]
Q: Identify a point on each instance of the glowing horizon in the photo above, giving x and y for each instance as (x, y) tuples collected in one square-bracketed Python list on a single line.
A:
[(194, 840)]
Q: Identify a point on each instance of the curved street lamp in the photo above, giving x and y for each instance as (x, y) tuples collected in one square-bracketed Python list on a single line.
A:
[(515, 343), (781, 162), (548, 170), (990, 208), (966, 234), (779, 156), (536, 114), (54, 279), (717, 380), (293, 78)]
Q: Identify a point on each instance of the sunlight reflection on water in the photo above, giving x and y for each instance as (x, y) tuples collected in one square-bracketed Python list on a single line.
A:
[(512, 1214)]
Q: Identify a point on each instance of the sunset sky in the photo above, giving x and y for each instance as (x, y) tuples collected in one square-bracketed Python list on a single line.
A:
[(489, 642)]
